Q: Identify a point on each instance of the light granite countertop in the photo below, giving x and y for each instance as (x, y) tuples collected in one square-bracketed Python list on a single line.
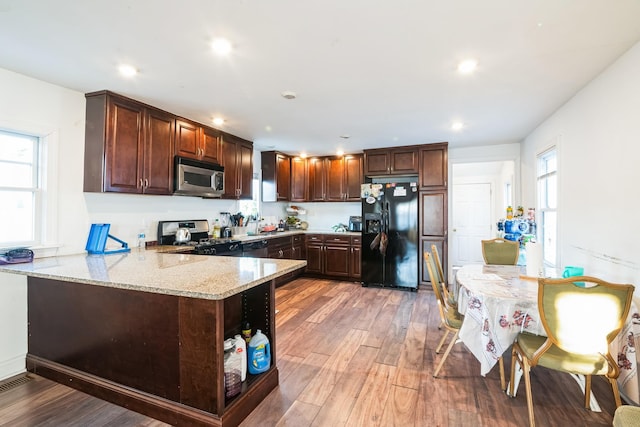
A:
[(196, 276), (275, 234)]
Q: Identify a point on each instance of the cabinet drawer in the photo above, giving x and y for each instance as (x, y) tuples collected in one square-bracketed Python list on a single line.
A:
[(356, 241), (317, 238), (337, 240), (297, 239)]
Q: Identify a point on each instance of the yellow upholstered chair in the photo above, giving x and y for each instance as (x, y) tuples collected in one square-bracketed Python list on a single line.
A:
[(449, 316), (500, 251), (627, 416), (580, 322)]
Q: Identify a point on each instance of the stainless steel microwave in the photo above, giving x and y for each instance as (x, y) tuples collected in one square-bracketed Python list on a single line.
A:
[(196, 178)]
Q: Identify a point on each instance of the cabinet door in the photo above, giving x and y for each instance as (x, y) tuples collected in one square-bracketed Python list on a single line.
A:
[(314, 258), (317, 180), (336, 260), (298, 179), (376, 162), (230, 163), (124, 147), (433, 214), (355, 262), (434, 166), (210, 145), (425, 244), (352, 177), (245, 170), (335, 179), (187, 139), (283, 177), (404, 161), (158, 152)]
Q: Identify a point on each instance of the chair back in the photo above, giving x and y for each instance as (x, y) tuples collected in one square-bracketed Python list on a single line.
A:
[(500, 251), (435, 284), (436, 260), (583, 315)]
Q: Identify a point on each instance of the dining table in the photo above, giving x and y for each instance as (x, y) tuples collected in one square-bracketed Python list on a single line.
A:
[(499, 302)]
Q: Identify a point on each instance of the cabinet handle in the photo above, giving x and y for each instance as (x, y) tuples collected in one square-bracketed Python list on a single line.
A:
[(141, 185), (146, 183)]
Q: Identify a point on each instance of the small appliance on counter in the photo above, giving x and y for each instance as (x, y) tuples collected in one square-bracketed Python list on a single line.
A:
[(97, 241), (15, 256), (355, 223)]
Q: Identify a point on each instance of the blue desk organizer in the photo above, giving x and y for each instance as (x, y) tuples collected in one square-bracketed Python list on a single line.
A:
[(97, 241)]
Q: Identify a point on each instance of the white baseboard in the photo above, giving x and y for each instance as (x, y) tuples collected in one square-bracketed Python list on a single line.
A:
[(13, 366)]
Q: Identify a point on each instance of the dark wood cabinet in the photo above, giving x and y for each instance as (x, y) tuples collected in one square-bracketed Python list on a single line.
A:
[(317, 178), (433, 166), (355, 261), (297, 250), (391, 161), (276, 176), (128, 146), (237, 159), (331, 255), (343, 178), (197, 142), (299, 175), (433, 218)]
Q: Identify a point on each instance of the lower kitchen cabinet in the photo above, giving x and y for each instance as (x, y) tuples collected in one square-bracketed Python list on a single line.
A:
[(286, 247), (355, 261), (333, 256)]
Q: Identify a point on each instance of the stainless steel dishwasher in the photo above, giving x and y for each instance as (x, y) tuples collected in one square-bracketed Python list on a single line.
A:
[(255, 249)]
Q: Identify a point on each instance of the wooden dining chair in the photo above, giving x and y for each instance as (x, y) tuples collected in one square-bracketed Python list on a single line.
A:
[(450, 297), (580, 322), (500, 251), (450, 318)]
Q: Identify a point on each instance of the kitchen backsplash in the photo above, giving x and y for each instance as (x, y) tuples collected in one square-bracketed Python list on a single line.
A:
[(320, 216)]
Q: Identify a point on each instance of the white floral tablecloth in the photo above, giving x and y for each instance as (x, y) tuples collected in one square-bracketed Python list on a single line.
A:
[(498, 305)]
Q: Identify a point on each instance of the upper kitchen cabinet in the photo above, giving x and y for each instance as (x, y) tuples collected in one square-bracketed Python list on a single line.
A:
[(317, 179), (237, 159), (344, 177), (299, 179), (276, 176), (129, 146), (391, 161), (433, 166), (197, 142)]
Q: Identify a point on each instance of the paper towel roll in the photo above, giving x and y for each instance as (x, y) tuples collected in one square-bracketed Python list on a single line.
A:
[(534, 259)]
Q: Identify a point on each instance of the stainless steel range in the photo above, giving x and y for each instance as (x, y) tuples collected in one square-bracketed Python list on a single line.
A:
[(199, 240)]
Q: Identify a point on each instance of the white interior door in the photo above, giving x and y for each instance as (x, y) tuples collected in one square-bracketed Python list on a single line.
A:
[(471, 217)]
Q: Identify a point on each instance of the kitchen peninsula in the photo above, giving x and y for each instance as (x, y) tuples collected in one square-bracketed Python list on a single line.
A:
[(145, 329)]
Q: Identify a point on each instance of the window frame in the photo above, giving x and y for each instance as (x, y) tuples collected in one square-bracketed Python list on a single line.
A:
[(541, 177), (45, 221)]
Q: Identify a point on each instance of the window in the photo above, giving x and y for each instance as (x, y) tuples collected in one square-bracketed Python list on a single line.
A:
[(251, 207), (547, 205), (20, 190)]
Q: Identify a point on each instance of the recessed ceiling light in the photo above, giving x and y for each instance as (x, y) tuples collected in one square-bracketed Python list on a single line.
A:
[(267, 128), (218, 121), (288, 94), (467, 66), (303, 155), (340, 152), (221, 46), (127, 70), (457, 126)]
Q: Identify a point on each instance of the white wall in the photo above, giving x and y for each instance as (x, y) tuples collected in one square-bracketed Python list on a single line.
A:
[(598, 137), (13, 324)]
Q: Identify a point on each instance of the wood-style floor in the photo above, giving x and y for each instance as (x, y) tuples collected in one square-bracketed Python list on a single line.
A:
[(351, 356)]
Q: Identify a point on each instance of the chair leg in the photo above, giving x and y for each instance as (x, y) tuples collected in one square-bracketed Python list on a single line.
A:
[(514, 361), (527, 383), (503, 385), (587, 391), (616, 392), (446, 353), (442, 340)]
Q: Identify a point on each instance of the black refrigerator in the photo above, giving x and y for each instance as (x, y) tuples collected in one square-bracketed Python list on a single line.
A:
[(390, 234)]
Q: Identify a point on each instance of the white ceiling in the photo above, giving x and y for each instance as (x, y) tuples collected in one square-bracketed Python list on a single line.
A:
[(382, 72)]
